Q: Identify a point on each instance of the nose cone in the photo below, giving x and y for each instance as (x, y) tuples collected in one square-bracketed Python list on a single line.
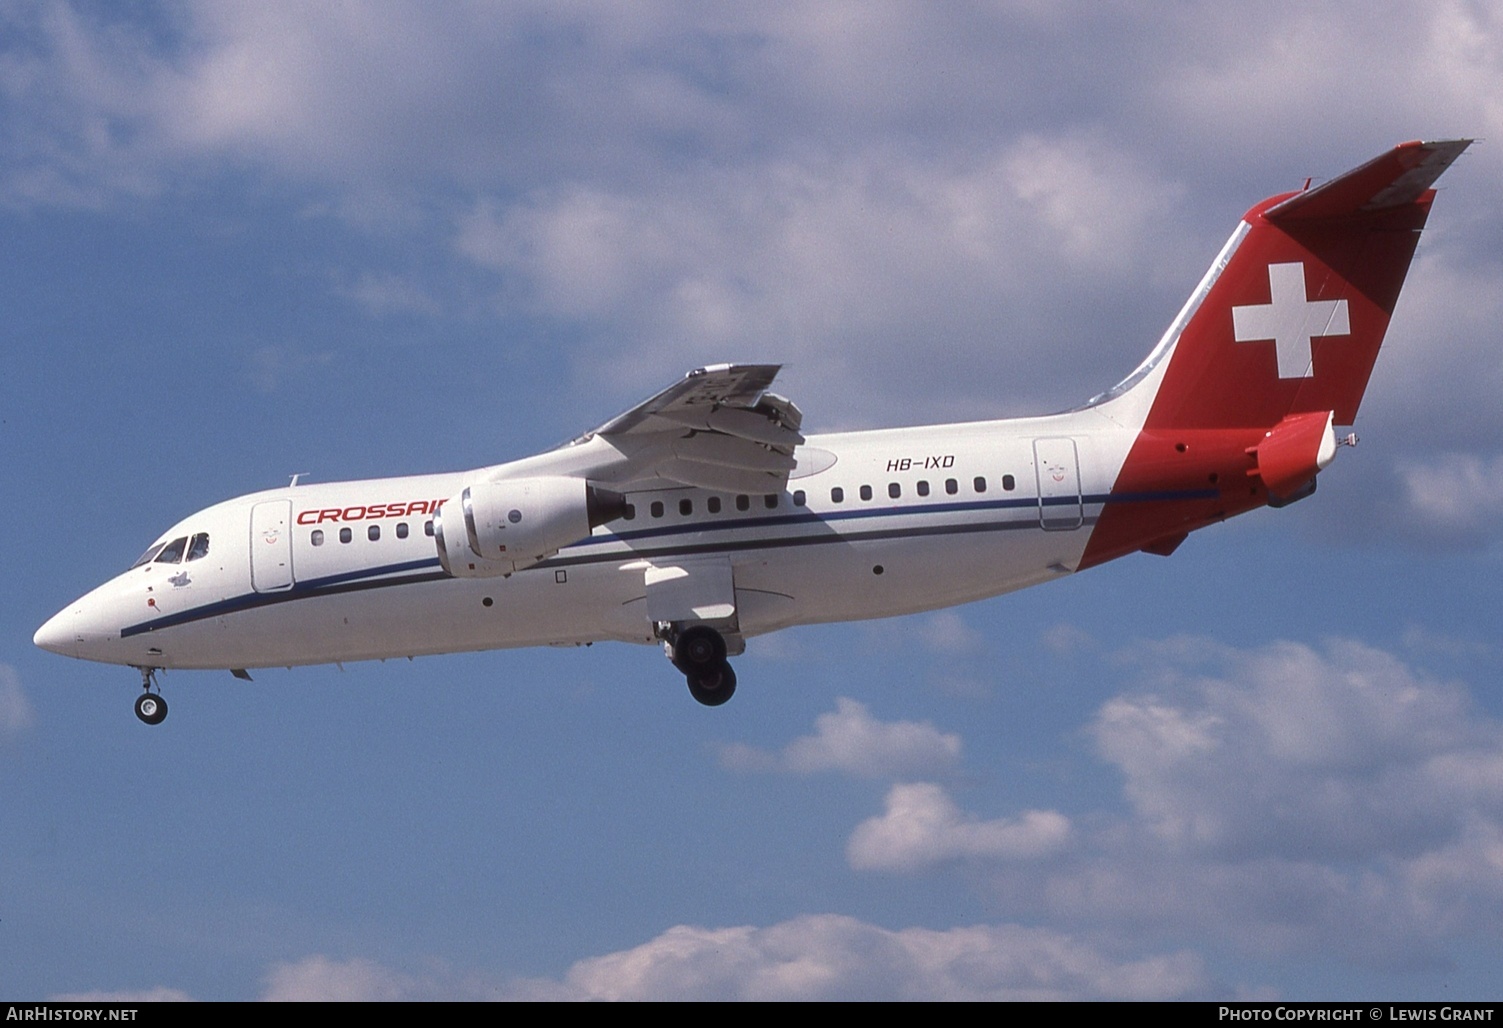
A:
[(59, 635)]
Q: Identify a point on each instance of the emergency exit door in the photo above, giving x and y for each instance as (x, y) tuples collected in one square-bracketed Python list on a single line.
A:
[(1058, 469)]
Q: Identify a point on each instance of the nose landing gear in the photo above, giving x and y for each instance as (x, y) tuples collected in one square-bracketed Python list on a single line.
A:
[(699, 652), (150, 707)]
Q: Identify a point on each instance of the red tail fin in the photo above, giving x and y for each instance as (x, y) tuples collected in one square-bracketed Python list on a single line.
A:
[(1275, 346), (1294, 321)]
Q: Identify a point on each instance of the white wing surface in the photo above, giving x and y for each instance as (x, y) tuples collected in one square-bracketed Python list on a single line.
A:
[(716, 428)]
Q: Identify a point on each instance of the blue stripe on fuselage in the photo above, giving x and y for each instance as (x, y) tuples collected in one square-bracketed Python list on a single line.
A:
[(427, 570)]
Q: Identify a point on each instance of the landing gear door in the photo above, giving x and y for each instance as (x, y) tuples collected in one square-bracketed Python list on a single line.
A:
[(1058, 470), (692, 591), (271, 546)]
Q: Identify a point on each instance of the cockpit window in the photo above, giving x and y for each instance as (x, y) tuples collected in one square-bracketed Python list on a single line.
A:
[(199, 547), (145, 558), (172, 553)]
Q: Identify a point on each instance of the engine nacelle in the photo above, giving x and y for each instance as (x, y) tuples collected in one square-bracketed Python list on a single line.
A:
[(508, 525)]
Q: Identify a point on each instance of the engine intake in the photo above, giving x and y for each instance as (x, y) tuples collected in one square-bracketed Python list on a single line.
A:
[(512, 524)]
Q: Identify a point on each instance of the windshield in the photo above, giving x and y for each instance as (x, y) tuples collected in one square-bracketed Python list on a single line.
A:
[(151, 551), (176, 551), (172, 553)]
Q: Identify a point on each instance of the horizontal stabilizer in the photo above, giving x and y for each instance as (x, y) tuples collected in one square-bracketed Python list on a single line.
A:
[(1398, 177)]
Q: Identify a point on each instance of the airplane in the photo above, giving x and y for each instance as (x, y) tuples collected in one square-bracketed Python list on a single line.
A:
[(704, 516)]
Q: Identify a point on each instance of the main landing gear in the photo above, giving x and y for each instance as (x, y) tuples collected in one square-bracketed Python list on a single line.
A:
[(699, 652), (150, 707)]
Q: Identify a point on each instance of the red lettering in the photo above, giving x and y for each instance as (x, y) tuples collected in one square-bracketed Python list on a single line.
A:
[(374, 510)]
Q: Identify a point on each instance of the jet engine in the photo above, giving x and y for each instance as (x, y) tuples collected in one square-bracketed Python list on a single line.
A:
[(495, 528)]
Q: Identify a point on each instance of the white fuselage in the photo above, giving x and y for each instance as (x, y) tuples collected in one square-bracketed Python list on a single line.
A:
[(872, 524)]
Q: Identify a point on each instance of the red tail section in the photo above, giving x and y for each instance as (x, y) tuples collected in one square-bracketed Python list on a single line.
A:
[(1276, 348), (1294, 322)]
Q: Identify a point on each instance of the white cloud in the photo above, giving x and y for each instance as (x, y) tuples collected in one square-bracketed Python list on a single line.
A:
[(846, 188), (158, 994), (319, 979), (271, 366), (828, 956), (15, 709), (1330, 801), (1296, 753), (1065, 640), (1281, 800), (922, 826), (849, 740), (385, 294), (1455, 494), (810, 957), (850, 267), (946, 632)]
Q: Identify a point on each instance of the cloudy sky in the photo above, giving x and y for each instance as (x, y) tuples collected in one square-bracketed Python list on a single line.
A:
[(244, 240)]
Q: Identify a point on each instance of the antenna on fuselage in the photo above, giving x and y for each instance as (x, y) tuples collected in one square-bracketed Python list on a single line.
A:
[(297, 476)]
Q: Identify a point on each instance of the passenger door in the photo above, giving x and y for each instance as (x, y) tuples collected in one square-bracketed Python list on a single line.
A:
[(271, 546)]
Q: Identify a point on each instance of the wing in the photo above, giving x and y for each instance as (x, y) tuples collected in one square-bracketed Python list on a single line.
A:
[(716, 428)]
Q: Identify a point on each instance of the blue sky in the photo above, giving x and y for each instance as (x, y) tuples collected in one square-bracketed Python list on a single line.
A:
[(245, 240)]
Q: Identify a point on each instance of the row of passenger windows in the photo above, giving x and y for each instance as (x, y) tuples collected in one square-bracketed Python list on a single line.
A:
[(178, 550), (837, 495), (372, 532), (656, 509), (713, 505)]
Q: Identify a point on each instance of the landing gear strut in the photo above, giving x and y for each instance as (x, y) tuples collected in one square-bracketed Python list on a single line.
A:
[(699, 652), (150, 707)]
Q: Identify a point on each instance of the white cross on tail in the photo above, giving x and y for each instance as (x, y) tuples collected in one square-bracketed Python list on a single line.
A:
[(1291, 320)]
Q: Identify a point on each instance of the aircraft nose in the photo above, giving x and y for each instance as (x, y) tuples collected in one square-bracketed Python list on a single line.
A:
[(59, 635)]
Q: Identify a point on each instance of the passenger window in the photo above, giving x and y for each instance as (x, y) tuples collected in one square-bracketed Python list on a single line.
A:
[(771, 499), (686, 506), (373, 533), (401, 530), (199, 547), (428, 527), (980, 484), (714, 504), (1009, 483), (743, 502), (837, 495), (172, 553), (798, 498), (657, 508), (866, 492), (345, 535), (923, 488), (631, 512), (894, 490), (951, 486), (317, 538)]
